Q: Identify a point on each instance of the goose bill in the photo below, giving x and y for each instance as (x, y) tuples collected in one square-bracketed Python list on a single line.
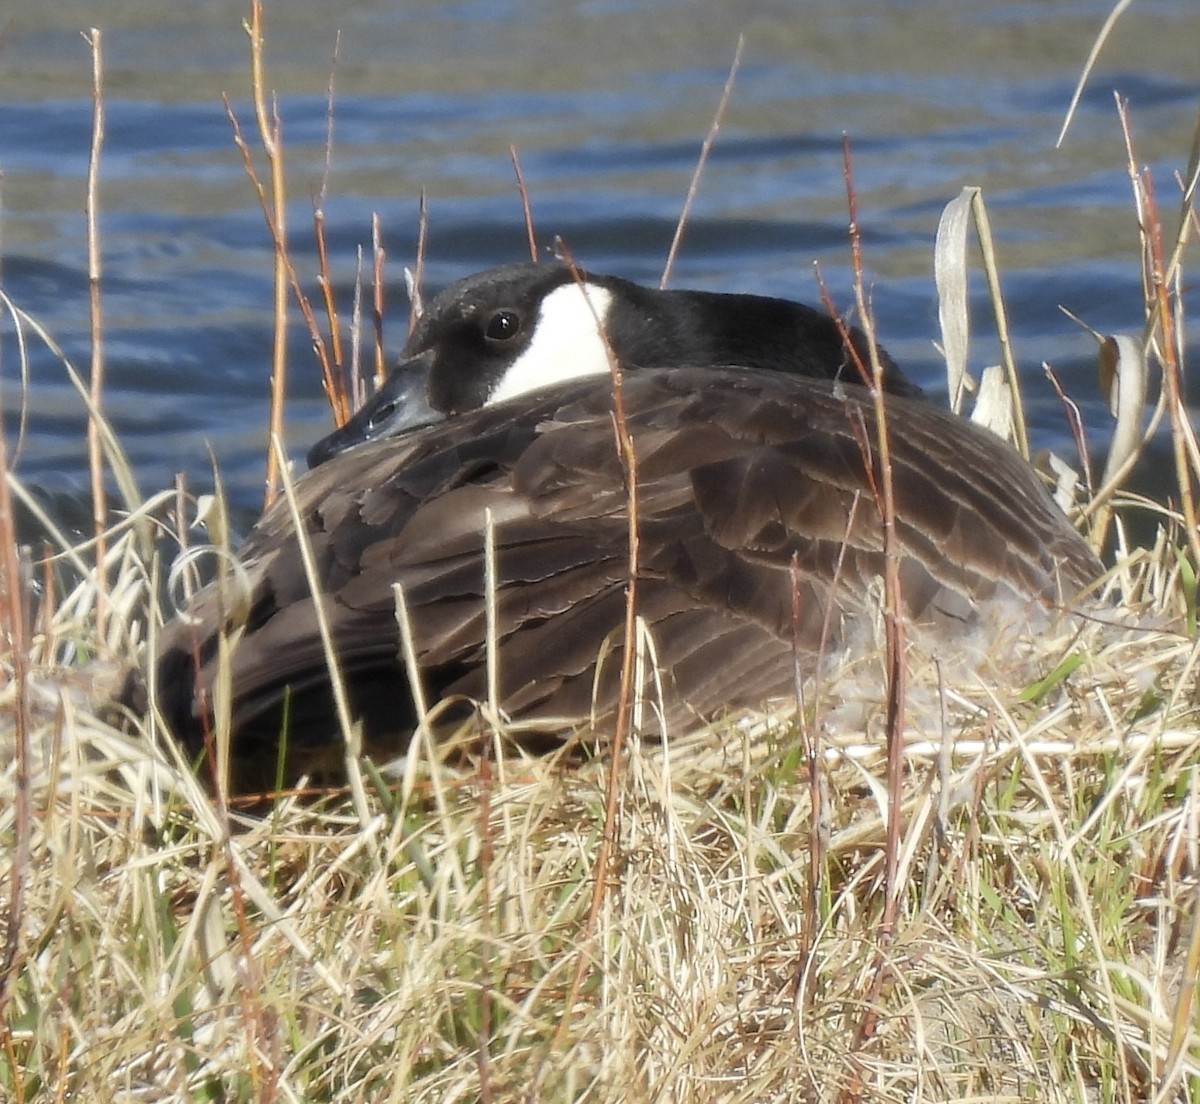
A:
[(400, 405)]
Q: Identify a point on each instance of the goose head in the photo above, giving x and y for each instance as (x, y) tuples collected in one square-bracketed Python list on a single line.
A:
[(520, 328)]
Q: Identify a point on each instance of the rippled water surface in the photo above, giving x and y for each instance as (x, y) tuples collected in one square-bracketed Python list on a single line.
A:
[(606, 102)]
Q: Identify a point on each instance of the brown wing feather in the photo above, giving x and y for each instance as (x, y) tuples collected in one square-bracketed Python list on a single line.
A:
[(739, 473)]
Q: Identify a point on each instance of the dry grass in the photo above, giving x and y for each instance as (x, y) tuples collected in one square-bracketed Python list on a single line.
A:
[(421, 943), (1048, 870)]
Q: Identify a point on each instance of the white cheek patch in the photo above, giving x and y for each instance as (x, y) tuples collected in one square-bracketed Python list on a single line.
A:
[(566, 342)]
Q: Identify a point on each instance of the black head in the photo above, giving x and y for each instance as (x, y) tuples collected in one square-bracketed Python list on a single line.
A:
[(523, 327), (507, 331), (486, 338)]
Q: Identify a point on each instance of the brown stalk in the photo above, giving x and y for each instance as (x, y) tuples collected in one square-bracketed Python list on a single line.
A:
[(486, 853), (1188, 187), (379, 256), (16, 643), (336, 390), (991, 271), (893, 619), (526, 210), (61, 1088), (351, 734), (810, 735), (705, 150), (1094, 53), (491, 717), (416, 305), (282, 258), (180, 522), (262, 1029), (95, 449), (1182, 1015), (1183, 1012), (270, 129), (339, 401), (354, 368), (1075, 423), (624, 443), (262, 1049), (818, 795), (1098, 510), (819, 827), (880, 474), (1176, 403), (1159, 273), (46, 619)]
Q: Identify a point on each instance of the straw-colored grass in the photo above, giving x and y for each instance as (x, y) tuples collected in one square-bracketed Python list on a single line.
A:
[(1048, 869), (421, 944)]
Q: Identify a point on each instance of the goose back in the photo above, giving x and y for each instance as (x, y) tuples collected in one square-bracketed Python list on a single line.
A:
[(740, 475)]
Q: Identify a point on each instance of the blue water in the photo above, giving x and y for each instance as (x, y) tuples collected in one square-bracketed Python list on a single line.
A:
[(607, 104)]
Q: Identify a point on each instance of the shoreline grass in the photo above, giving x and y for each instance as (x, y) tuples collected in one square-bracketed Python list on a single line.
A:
[(1047, 874), (426, 941)]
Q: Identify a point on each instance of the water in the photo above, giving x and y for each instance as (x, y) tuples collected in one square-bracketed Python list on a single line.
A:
[(607, 103)]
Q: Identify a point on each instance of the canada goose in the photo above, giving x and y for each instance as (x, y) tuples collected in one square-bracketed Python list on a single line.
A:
[(741, 472), (512, 329)]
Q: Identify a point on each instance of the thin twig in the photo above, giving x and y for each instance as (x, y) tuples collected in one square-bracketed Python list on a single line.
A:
[(705, 150), (281, 254), (49, 600), (1182, 1015), (14, 637), (983, 230), (880, 475), (625, 450), (1098, 510), (1075, 423), (379, 300), (416, 304), (354, 383), (486, 844), (350, 731), (179, 530), (261, 1027), (96, 390), (1093, 54), (1181, 430), (327, 168), (526, 210), (1160, 275), (810, 738), (336, 380), (270, 131)]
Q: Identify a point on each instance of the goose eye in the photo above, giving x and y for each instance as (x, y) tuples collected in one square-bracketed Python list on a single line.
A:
[(503, 325)]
